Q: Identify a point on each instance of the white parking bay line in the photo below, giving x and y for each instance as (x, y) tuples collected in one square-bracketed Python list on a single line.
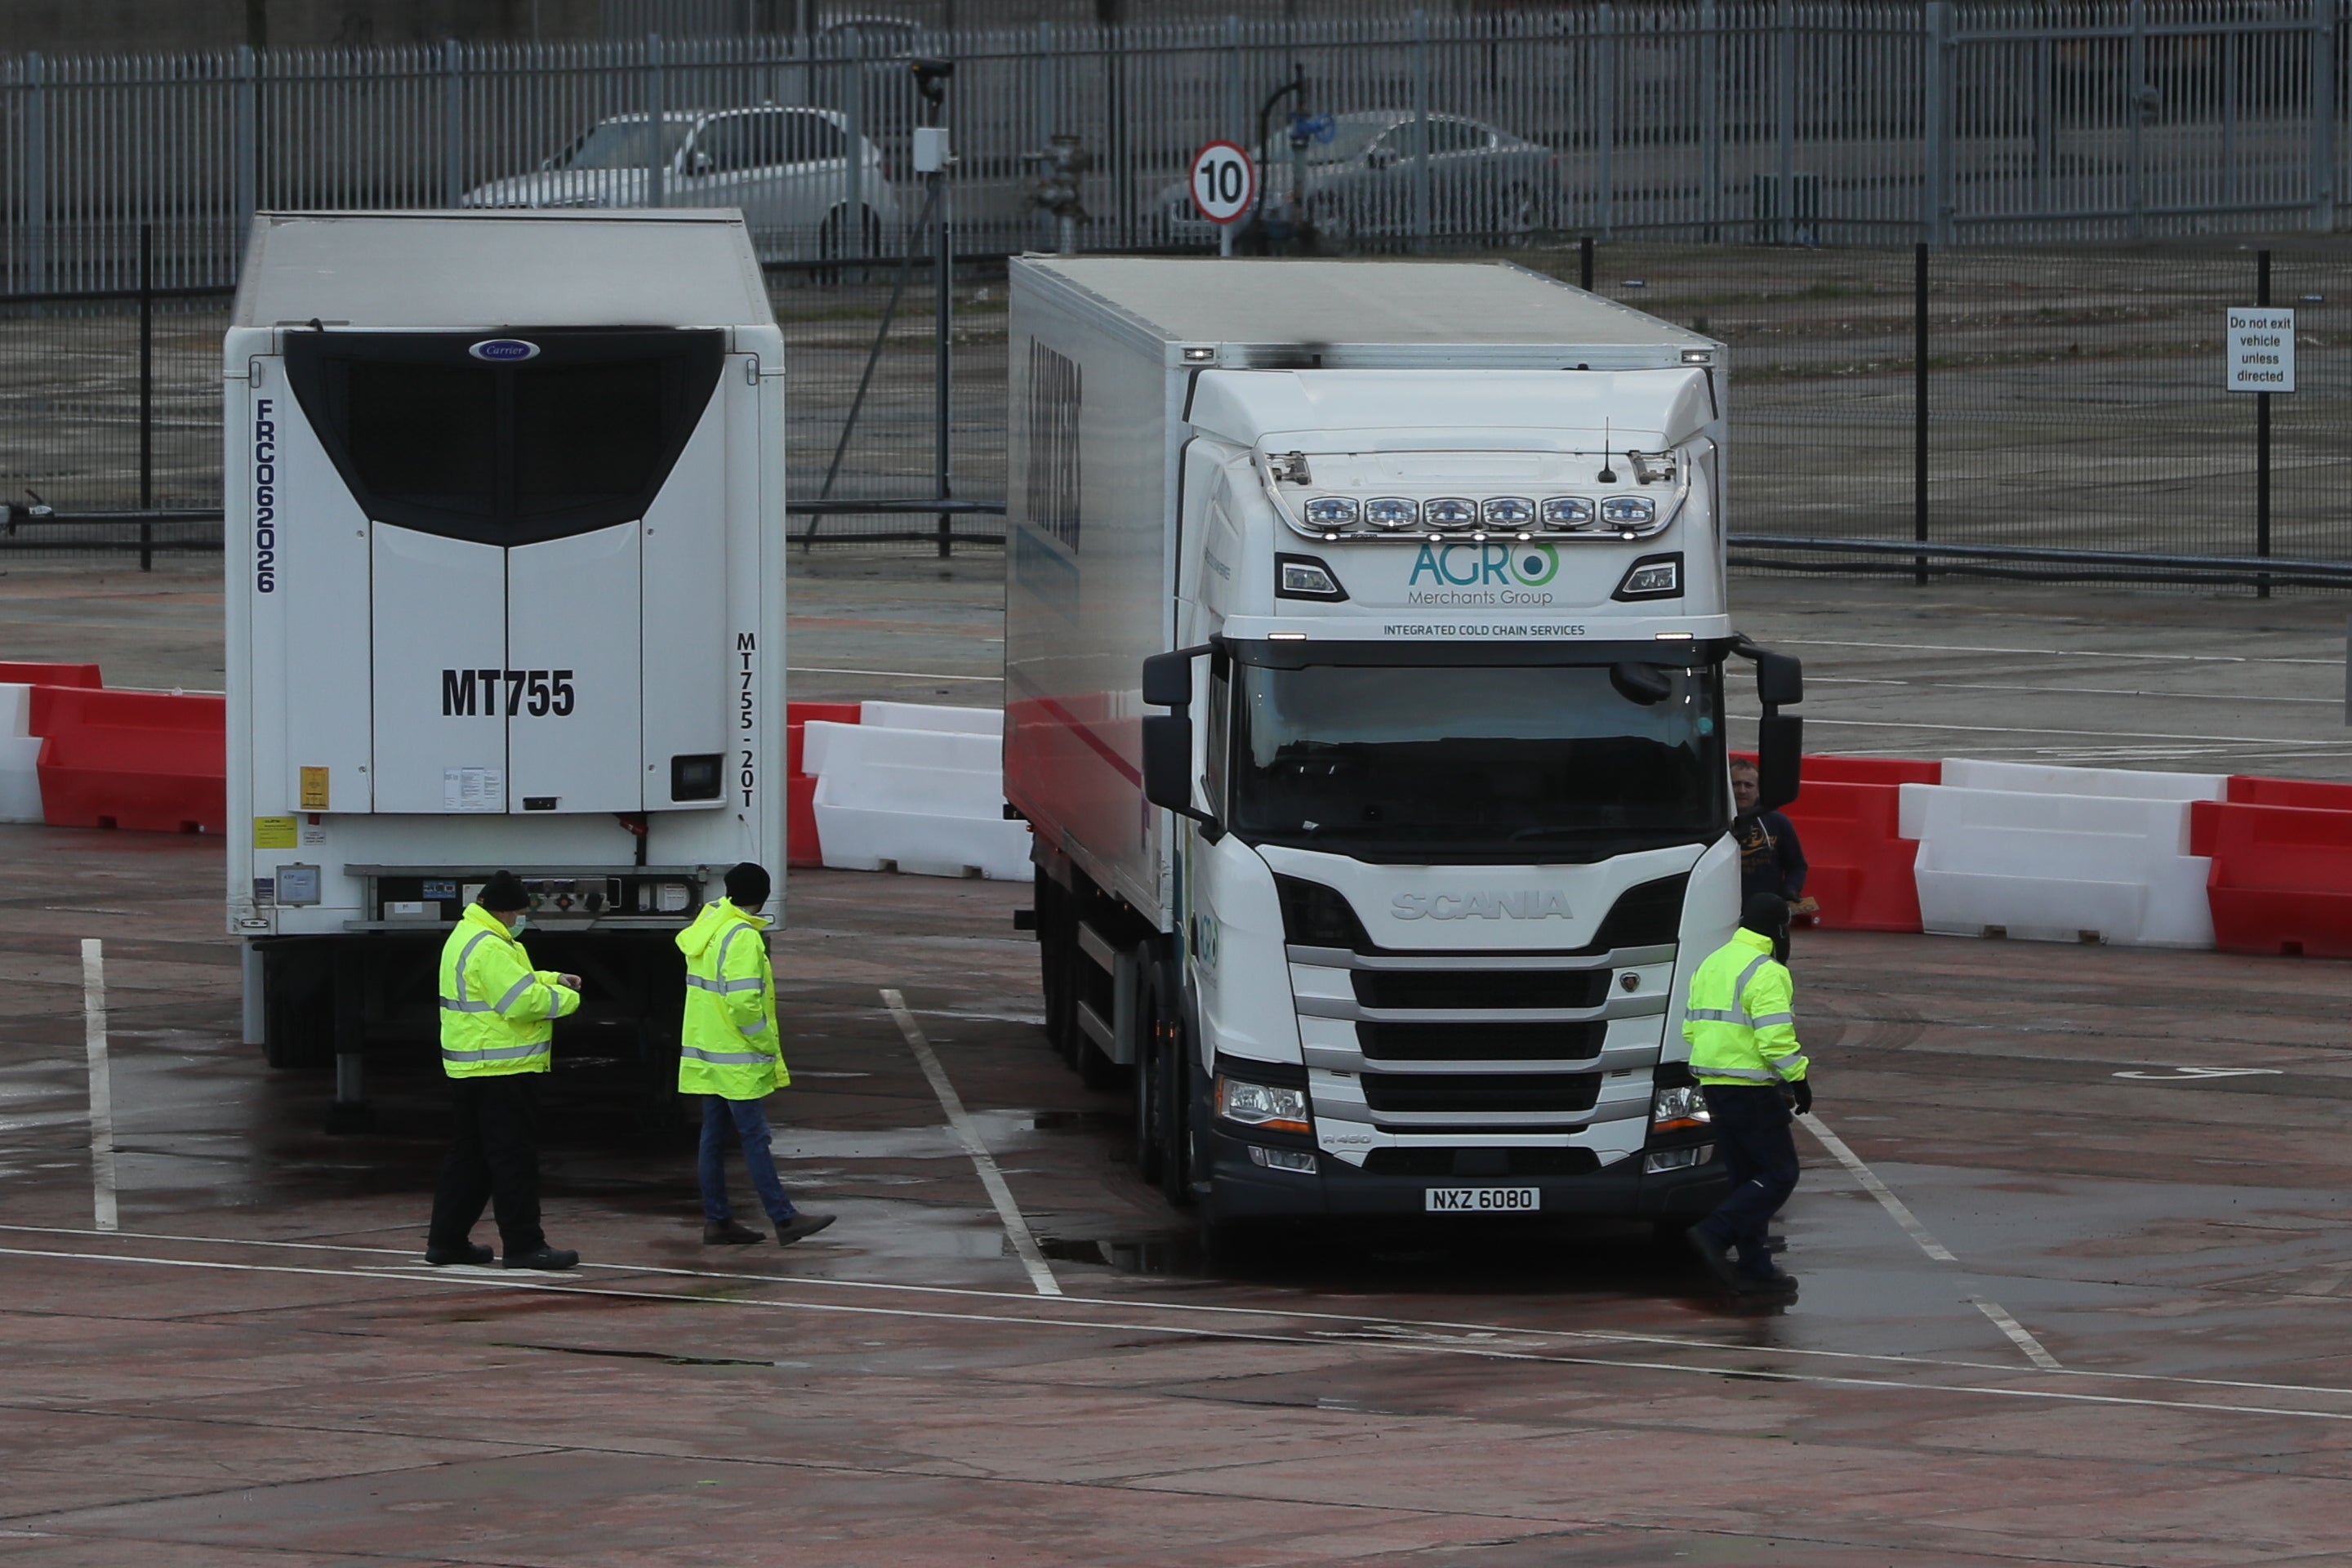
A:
[(1878, 1189), (1015, 1225), (101, 1083), (2017, 1335)]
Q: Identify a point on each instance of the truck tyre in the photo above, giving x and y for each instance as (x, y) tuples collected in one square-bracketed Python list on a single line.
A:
[(1151, 1051), (1179, 1093), (1056, 934)]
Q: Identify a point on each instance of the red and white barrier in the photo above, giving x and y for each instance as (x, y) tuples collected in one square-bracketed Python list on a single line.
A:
[(20, 756), (76, 754)]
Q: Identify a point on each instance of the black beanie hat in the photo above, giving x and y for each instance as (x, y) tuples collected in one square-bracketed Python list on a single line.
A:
[(1766, 914), (747, 884), (503, 894)]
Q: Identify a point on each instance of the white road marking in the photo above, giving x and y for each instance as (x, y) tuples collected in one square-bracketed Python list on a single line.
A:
[(1877, 1189), (906, 674), (101, 1083), (423, 1275), (2195, 1074), (1367, 1325), (1015, 1225), (2016, 1331)]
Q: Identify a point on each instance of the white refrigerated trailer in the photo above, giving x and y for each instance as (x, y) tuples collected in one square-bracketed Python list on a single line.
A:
[(1393, 911), (505, 588)]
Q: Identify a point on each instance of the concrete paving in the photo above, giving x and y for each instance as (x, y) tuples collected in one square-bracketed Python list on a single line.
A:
[(2109, 1332)]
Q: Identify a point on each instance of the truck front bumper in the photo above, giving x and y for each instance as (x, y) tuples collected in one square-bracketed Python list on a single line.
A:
[(1240, 1189)]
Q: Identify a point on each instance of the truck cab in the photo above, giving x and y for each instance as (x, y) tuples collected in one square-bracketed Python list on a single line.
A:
[(1438, 742)]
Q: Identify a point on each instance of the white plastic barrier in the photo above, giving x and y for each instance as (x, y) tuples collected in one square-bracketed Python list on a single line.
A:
[(830, 748), (20, 779), (930, 802), (2056, 867), (931, 716), (2046, 778)]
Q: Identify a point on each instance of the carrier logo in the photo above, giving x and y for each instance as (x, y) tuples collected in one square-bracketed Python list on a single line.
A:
[(265, 497), (504, 350), (1528, 904)]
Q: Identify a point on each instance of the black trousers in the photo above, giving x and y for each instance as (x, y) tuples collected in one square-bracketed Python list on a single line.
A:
[(1751, 1130), (493, 1159)]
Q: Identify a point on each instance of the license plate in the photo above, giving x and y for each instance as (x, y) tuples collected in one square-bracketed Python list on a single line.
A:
[(1482, 1200)]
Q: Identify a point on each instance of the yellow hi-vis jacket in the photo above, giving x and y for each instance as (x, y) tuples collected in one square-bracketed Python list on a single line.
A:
[(727, 1043), (1738, 1022), (497, 1014)]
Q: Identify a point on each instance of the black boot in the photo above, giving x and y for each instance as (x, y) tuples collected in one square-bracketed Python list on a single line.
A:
[(727, 1233), (801, 1224)]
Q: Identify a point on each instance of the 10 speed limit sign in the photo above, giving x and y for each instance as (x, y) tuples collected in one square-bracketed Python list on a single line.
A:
[(1224, 182)]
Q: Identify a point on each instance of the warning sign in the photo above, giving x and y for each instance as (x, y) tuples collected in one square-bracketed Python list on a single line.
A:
[(2261, 346)]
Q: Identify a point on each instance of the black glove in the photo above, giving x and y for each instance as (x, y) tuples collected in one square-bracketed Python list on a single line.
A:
[(1802, 1091)]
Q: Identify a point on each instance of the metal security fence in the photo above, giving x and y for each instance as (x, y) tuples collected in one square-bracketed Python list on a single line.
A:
[(2069, 399), (1726, 121), (110, 403), (2074, 400)]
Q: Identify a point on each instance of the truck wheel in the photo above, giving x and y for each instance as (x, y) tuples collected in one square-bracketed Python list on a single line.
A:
[(1054, 935), (1176, 1162), (1151, 1091)]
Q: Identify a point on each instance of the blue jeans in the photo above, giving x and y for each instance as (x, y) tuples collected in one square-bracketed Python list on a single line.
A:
[(1752, 1131), (747, 1119)]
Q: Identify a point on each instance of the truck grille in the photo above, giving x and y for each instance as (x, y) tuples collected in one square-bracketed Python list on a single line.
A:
[(1480, 1042), (1456, 989), (1481, 1161), (1533, 1094)]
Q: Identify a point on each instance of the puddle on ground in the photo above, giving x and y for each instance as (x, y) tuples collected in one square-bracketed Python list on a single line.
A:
[(1178, 1253)]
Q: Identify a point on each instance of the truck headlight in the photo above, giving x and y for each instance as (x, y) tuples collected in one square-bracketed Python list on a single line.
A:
[(1450, 512), (1270, 1106), (1508, 511), (1567, 513), (1332, 511), (1629, 511), (1680, 1109), (1652, 577), (1392, 511), (1304, 578)]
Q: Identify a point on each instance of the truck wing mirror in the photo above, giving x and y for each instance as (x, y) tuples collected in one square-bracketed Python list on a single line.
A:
[(1779, 679), (1168, 737), (1780, 742), (1167, 678), (1780, 751), (1646, 684), (1167, 763)]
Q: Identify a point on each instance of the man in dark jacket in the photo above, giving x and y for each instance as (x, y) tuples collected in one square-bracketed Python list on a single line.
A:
[(1771, 858)]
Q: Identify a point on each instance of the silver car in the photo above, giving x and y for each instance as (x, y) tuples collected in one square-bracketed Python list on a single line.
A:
[(787, 169), (1362, 182)]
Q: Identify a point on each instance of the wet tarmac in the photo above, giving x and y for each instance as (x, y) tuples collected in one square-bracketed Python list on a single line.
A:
[(2106, 1326)]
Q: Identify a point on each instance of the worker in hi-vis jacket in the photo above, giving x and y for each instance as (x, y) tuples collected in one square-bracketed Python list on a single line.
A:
[(729, 1055)]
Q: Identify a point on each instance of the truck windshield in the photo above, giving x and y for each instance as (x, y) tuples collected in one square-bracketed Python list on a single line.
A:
[(1420, 763)]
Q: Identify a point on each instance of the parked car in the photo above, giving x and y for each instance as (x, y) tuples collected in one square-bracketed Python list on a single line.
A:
[(1361, 183), (787, 169)]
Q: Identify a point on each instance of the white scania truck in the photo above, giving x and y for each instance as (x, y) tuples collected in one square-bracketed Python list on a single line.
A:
[(1364, 658), (505, 588)]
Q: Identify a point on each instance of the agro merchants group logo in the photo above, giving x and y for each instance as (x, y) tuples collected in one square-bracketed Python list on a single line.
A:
[(1491, 572)]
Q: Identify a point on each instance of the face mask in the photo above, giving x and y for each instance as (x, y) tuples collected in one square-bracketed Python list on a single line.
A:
[(522, 925)]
